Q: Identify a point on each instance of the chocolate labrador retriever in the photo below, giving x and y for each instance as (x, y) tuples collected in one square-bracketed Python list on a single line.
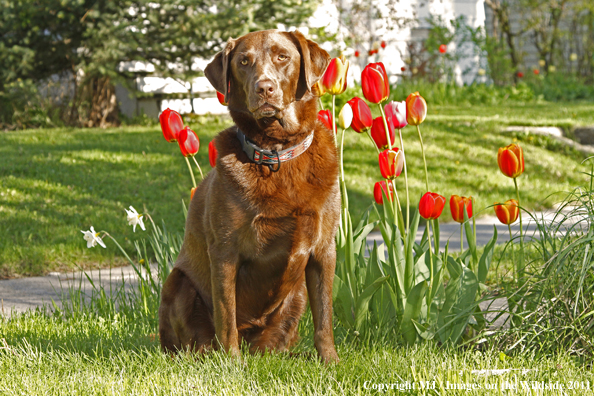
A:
[(261, 226)]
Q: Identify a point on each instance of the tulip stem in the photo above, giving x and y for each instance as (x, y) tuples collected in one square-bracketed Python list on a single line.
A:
[(405, 179), (424, 160), (345, 198), (430, 269), (373, 142), (398, 217), (512, 249), (334, 119), (521, 263), (461, 238), (388, 140), (200, 169), (321, 104), (191, 171)]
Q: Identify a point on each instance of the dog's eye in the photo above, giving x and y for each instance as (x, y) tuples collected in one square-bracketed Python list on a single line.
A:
[(244, 62), (282, 57)]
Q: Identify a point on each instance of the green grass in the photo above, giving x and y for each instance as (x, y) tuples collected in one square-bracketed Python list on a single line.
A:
[(92, 353), (56, 182)]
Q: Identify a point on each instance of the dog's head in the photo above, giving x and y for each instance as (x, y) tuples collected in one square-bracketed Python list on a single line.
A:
[(265, 72)]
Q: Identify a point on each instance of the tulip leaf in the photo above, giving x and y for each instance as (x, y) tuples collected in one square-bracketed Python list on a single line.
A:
[(343, 302), (486, 257), (362, 306), (409, 257), (436, 234), (470, 238), (412, 309)]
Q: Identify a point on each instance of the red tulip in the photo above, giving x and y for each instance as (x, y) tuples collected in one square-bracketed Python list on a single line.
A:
[(188, 142), (457, 205), (356, 54), (326, 117), (388, 192), (221, 99), (511, 160), (334, 79), (443, 48), (374, 82), (212, 153), (507, 212), (396, 111), (431, 205), (362, 119), (403, 69), (171, 124), (378, 133), (536, 72), (520, 74), (416, 109), (383, 44), (192, 191), (391, 163)]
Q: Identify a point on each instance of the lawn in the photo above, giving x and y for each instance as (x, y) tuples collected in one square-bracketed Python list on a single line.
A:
[(56, 182), (93, 351)]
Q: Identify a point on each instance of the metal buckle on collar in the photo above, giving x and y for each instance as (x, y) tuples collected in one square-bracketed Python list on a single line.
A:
[(271, 166)]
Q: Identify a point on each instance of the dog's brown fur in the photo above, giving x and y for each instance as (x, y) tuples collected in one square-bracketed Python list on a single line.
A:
[(254, 238)]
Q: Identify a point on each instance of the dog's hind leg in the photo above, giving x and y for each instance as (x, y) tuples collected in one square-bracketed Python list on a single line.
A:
[(184, 320)]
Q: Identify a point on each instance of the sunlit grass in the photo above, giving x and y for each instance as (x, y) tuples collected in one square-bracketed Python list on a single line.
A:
[(56, 182)]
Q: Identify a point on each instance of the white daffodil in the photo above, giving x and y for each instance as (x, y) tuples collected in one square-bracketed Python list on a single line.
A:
[(134, 219), (92, 238)]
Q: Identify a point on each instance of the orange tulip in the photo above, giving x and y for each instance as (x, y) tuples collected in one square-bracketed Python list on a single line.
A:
[(507, 212), (334, 80), (457, 205), (416, 109), (511, 160)]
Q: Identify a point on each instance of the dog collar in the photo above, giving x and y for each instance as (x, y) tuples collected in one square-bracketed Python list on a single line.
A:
[(271, 158)]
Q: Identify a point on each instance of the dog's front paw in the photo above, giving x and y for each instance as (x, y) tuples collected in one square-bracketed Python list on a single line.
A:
[(329, 356)]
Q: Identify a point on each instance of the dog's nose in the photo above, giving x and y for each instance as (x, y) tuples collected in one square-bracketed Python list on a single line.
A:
[(264, 88)]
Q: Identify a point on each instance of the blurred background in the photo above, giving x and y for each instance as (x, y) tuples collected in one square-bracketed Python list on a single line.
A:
[(99, 63)]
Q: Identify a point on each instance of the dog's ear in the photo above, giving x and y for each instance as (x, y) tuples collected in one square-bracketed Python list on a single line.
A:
[(314, 61), (218, 71)]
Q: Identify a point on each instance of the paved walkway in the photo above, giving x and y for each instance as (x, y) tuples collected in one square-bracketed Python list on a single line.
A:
[(19, 295)]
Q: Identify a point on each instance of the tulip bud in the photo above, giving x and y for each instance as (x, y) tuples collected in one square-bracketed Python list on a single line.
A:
[(326, 118), (542, 63), (391, 163), (356, 54), (171, 124), (378, 133), (403, 69), (431, 205), (381, 189), (334, 80), (188, 142), (345, 117), (511, 160), (416, 109), (396, 111), (362, 119), (221, 99), (507, 212), (383, 44), (443, 48), (374, 82), (457, 206), (520, 74), (536, 72), (212, 153)]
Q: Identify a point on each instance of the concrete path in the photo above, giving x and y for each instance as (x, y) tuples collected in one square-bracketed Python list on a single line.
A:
[(19, 295)]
